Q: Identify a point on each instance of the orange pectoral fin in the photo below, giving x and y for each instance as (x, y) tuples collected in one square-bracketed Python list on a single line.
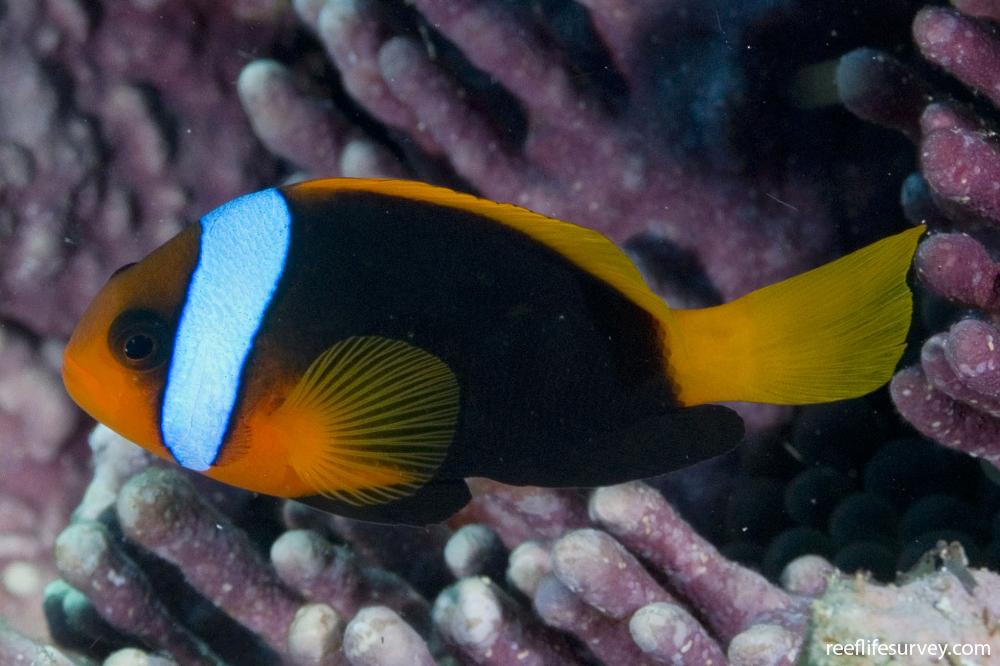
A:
[(370, 421)]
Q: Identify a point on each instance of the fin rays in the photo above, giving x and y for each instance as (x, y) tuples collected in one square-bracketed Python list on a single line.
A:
[(831, 333), (372, 420)]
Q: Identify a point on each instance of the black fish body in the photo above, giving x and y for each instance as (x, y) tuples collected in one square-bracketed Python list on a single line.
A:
[(555, 366), (365, 346)]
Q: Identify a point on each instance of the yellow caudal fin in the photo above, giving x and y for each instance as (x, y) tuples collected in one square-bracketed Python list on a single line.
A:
[(832, 333)]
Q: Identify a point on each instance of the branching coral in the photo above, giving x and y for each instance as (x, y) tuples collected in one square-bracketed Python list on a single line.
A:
[(117, 125), (619, 580), (36, 419), (576, 158), (314, 586), (953, 396)]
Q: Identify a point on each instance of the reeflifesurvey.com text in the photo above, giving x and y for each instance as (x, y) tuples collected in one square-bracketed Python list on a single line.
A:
[(873, 647)]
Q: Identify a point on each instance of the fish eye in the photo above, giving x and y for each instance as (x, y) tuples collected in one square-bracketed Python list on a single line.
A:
[(138, 339), (139, 347)]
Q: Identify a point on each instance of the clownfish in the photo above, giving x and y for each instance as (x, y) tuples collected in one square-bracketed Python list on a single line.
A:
[(364, 346)]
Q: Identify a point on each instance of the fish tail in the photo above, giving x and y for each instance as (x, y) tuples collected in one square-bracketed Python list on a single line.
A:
[(832, 333)]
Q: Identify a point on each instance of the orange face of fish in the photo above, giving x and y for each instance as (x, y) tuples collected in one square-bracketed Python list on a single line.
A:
[(115, 363)]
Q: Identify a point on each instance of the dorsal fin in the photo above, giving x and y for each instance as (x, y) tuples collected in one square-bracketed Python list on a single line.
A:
[(590, 250)]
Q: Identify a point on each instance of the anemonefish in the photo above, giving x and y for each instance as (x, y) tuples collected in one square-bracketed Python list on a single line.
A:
[(364, 346)]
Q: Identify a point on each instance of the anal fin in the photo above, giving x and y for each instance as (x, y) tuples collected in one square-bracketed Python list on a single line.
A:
[(648, 448), (434, 502)]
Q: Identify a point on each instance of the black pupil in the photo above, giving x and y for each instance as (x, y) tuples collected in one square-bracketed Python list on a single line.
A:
[(138, 347)]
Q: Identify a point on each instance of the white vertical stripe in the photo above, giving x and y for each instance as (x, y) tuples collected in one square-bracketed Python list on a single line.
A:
[(243, 247)]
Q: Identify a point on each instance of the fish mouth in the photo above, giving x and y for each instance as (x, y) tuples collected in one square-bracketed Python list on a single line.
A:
[(81, 386)]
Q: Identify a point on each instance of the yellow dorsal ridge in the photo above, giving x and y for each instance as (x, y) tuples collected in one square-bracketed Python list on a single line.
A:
[(589, 250)]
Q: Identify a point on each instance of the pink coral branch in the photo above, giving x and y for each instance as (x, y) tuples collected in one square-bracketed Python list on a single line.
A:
[(333, 575), (959, 166), (972, 350), (605, 575), (881, 89), (489, 629), (87, 558), (520, 514), (490, 33), (960, 268), (314, 136), (958, 425), (474, 148), (987, 9), (316, 637), (668, 634), (643, 521), (606, 637), (378, 637), (945, 378), (353, 33), (964, 46), (161, 511)]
